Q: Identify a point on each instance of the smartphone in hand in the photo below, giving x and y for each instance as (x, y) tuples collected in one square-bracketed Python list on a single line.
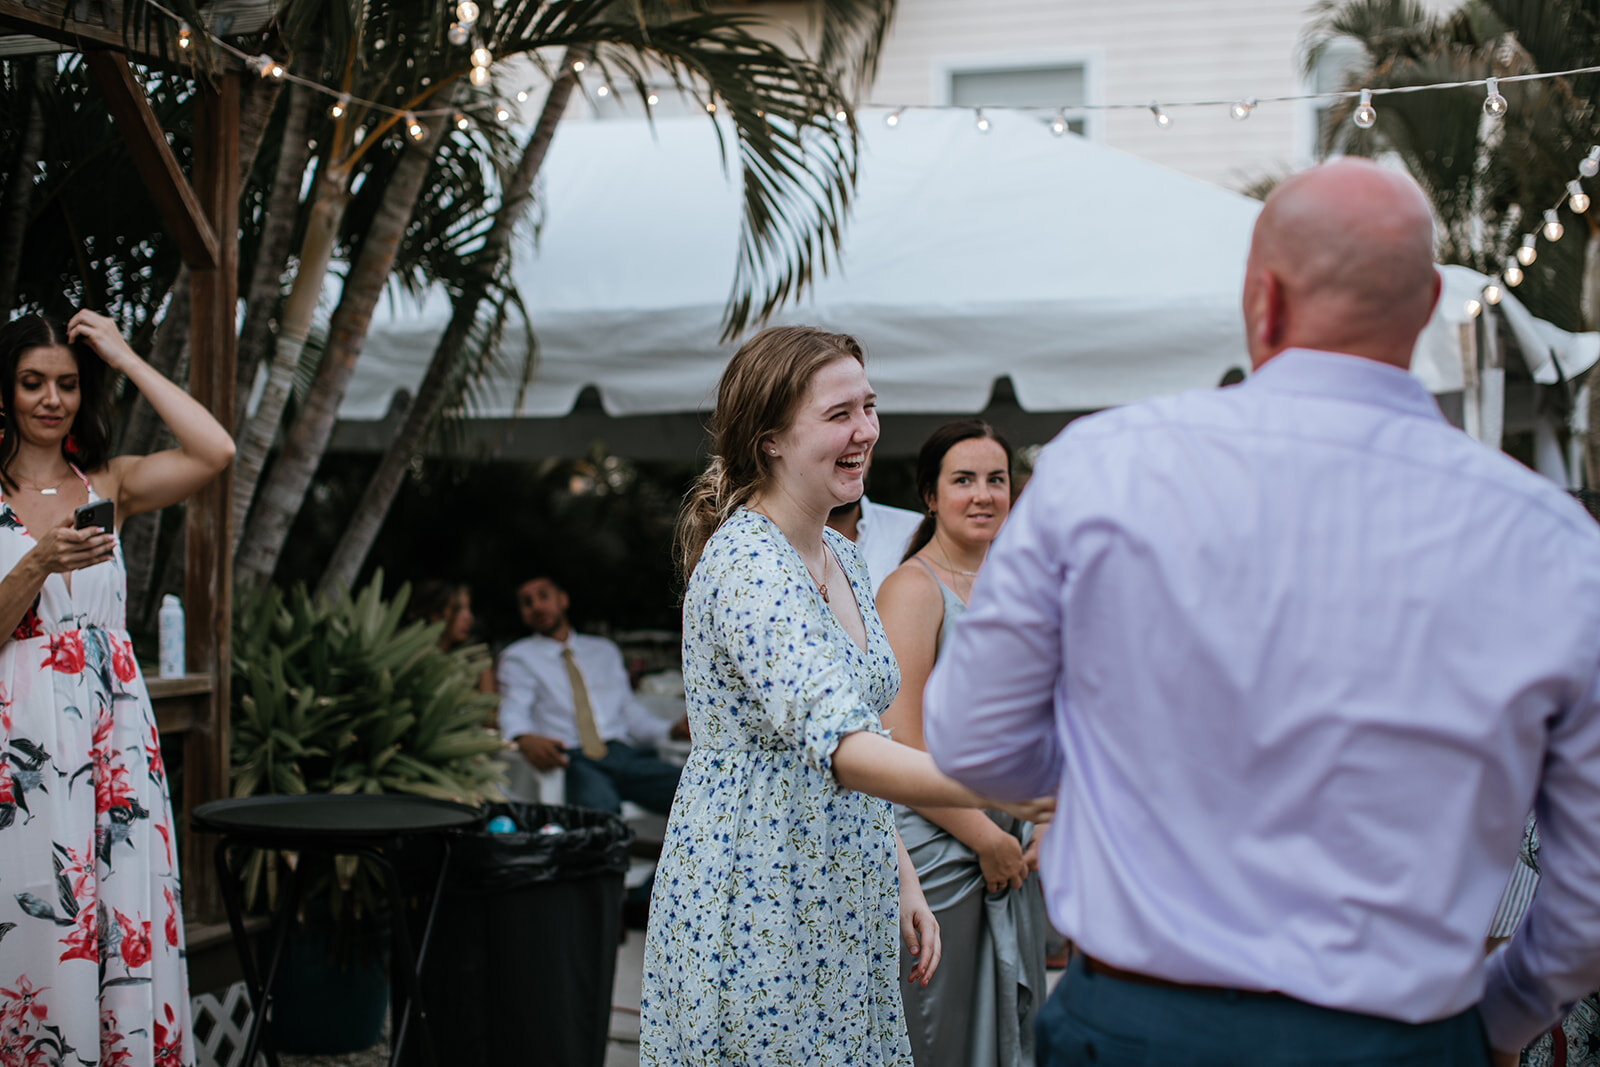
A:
[(101, 513)]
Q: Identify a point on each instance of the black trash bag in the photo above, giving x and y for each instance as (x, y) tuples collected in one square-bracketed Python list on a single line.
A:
[(523, 955)]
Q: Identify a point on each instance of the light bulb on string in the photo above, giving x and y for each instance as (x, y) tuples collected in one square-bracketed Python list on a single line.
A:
[(711, 107), (482, 57), (457, 34), (1365, 115), (340, 106), (1472, 307), (1591, 163), (416, 129), (501, 113), (892, 119), (522, 96), (603, 90), (1494, 105), (1552, 226), (1513, 275), (840, 115), (1577, 199), (1241, 109), (462, 122), (1058, 125), (1491, 292), (1162, 118), (479, 76), (653, 99), (983, 122), (577, 66), (1527, 253), (184, 34), (467, 12)]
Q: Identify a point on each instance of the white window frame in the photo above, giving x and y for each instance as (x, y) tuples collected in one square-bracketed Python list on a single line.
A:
[(1306, 130), (1092, 61)]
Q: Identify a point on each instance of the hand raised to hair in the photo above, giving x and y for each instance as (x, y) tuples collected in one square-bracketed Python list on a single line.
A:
[(101, 335)]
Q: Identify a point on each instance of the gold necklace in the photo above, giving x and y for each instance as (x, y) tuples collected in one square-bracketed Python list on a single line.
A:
[(952, 570), (822, 587), (44, 492)]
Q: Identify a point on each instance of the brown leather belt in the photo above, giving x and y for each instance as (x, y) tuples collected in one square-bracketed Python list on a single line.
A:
[(1106, 970)]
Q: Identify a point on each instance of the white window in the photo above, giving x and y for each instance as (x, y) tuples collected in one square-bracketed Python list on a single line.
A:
[(1052, 86)]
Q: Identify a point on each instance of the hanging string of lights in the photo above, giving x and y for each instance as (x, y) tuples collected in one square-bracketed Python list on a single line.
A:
[(467, 13)]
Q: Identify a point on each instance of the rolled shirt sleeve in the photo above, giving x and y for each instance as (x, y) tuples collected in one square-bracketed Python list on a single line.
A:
[(989, 708), (1551, 962)]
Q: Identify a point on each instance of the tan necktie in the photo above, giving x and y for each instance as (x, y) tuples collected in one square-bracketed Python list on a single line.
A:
[(582, 710)]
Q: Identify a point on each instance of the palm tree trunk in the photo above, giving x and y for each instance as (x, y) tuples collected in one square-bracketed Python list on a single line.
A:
[(255, 439), (307, 439), (19, 189), (379, 496), (277, 231)]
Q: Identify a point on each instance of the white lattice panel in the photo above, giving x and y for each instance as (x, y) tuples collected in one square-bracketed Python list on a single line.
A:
[(219, 1027)]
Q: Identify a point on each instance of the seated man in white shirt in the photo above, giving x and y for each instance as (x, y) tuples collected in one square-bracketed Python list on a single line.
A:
[(566, 702), (881, 533)]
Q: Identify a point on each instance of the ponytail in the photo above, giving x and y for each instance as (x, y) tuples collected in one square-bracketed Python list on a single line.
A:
[(710, 502), (920, 539)]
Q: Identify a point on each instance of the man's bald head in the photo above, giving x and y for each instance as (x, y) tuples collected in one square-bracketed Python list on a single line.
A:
[(1341, 260)]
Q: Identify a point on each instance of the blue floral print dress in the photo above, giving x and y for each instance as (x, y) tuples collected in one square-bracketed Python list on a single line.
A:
[(774, 926)]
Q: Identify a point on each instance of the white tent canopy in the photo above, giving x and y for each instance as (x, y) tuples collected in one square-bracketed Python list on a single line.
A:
[(1089, 277)]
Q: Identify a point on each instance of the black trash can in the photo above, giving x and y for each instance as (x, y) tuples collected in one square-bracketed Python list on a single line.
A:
[(524, 949)]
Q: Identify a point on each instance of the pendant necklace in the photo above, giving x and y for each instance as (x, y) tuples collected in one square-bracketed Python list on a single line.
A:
[(46, 492), (822, 587)]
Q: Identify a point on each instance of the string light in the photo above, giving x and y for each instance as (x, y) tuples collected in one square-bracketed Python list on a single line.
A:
[(462, 122), (892, 119), (501, 113), (578, 65), (1591, 163), (1552, 226), (1577, 199), (1492, 292), (522, 96), (983, 122), (1162, 118), (482, 57), (457, 34), (1513, 275), (1527, 253), (479, 76), (1494, 105), (340, 106), (604, 90), (1472, 308), (1241, 108), (184, 34), (1365, 115), (711, 107), (466, 12), (652, 99), (1058, 125), (840, 115), (416, 129)]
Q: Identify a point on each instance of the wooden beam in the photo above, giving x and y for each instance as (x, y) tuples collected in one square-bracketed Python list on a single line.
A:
[(52, 20), (152, 157), (208, 568)]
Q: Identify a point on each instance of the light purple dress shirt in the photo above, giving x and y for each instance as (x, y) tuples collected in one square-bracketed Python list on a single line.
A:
[(1297, 657)]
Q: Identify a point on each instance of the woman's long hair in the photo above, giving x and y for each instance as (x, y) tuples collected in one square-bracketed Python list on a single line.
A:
[(90, 439), (930, 461), (757, 397)]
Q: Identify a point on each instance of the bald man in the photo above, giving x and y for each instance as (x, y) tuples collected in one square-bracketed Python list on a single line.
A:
[(1296, 657)]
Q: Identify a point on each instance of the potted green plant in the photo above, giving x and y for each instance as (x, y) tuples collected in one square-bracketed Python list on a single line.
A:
[(341, 695)]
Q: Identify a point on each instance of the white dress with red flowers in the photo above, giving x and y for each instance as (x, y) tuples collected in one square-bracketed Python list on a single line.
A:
[(92, 967)]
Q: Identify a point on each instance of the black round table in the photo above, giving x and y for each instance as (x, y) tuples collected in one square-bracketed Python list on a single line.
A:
[(357, 824)]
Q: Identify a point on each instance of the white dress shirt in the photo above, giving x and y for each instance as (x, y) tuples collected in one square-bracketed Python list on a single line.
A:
[(882, 535), (536, 694), (1297, 658)]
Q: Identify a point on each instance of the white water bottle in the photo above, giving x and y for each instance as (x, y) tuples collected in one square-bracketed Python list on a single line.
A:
[(169, 623)]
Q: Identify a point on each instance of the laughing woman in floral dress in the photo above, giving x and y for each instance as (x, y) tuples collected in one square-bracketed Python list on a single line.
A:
[(91, 932), (782, 885)]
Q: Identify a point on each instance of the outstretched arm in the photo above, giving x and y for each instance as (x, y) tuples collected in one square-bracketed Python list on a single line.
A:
[(147, 483)]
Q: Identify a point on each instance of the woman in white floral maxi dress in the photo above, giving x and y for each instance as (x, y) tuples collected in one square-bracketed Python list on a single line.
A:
[(774, 915), (92, 968)]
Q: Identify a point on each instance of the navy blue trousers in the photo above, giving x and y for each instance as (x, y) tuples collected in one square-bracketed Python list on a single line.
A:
[(626, 773), (1093, 1019)]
